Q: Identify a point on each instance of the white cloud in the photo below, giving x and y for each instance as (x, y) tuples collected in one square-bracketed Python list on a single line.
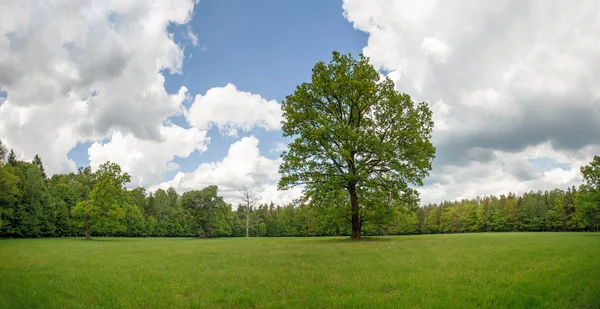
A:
[(279, 197), (507, 172), (79, 71), (243, 166), (506, 80), (191, 36), (231, 110), (279, 147), (441, 111), (147, 160), (434, 48), (73, 72)]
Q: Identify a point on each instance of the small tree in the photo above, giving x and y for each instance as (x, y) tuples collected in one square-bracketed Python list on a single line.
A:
[(353, 131), (249, 200)]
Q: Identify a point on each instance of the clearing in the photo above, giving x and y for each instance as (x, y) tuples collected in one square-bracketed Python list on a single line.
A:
[(487, 270)]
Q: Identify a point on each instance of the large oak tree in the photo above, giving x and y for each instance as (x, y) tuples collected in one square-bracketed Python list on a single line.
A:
[(353, 131)]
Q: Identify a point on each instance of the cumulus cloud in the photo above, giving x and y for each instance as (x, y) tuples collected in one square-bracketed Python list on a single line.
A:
[(74, 72), (504, 79), (508, 172), (146, 160), (232, 110), (435, 49), (271, 194), (243, 166), (78, 71)]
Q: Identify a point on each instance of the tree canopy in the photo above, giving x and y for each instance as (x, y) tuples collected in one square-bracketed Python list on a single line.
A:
[(588, 200), (591, 173), (102, 209), (208, 211), (353, 131)]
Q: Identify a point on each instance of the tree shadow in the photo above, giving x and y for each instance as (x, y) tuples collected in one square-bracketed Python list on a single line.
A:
[(130, 239), (364, 239), (100, 239)]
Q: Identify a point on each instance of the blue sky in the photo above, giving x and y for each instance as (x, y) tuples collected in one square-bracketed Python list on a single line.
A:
[(264, 47)]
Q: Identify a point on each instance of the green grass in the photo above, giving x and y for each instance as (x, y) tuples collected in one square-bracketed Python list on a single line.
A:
[(503, 270)]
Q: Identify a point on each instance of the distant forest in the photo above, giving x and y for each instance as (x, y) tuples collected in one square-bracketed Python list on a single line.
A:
[(34, 205)]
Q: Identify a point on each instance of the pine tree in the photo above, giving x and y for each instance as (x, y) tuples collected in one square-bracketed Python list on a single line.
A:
[(12, 158), (38, 161), (2, 152)]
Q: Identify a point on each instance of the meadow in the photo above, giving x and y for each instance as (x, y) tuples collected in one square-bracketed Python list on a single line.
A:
[(486, 270)]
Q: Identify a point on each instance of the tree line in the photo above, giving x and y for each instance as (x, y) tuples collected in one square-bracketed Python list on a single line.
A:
[(86, 203), (555, 210)]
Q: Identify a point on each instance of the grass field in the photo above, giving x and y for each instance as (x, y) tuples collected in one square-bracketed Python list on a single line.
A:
[(503, 270)]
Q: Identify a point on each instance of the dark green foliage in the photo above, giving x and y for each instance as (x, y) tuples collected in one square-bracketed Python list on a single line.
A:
[(31, 206), (12, 158), (209, 213), (587, 200), (63, 198), (133, 220), (37, 161), (2, 152), (138, 198), (26, 211), (556, 210), (534, 211), (10, 197)]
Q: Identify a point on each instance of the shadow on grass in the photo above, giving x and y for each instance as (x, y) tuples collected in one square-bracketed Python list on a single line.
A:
[(99, 239), (344, 239), (128, 239)]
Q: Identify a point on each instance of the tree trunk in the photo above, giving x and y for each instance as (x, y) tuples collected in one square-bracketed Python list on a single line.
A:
[(355, 218), (87, 231), (247, 221), (87, 223)]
